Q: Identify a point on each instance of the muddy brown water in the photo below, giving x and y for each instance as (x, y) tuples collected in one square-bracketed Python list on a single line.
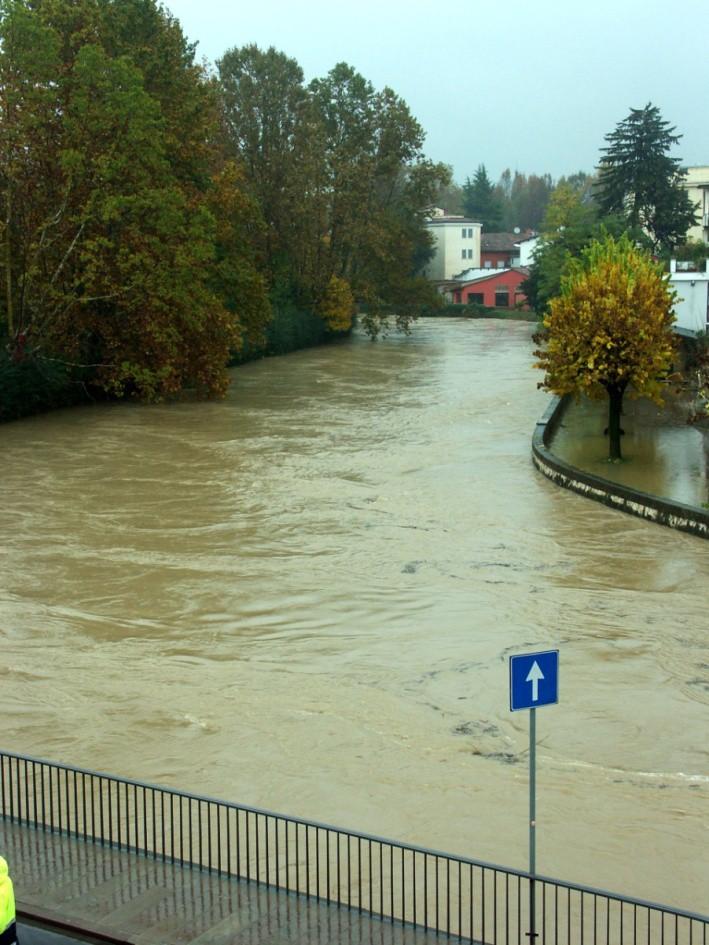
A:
[(304, 598)]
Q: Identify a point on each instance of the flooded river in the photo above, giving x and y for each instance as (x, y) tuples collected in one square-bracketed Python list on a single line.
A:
[(304, 598)]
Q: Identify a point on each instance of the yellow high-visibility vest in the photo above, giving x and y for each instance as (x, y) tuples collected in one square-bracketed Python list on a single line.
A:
[(7, 897)]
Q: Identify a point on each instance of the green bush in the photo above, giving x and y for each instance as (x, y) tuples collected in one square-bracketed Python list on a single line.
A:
[(32, 385), (444, 310), (694, 251), (477, 310), (695, 351), (453, 309), (290, 330)]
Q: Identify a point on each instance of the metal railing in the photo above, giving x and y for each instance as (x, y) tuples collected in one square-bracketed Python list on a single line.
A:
[(463, 898)]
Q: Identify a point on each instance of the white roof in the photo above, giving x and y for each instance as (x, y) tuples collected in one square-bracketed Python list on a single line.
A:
[(469, 274), (452, 221)]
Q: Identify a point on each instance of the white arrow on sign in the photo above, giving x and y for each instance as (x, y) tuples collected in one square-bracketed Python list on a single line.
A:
[(533, 676)]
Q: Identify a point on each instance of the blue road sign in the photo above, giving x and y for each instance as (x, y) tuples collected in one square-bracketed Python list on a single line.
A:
[(534, 680)]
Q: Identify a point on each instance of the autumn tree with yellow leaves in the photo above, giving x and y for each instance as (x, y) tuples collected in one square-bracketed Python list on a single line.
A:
[(610, 330), (337, 306)]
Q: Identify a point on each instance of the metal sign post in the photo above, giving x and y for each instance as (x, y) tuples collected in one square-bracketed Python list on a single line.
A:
[(532, 820), (534, 681)]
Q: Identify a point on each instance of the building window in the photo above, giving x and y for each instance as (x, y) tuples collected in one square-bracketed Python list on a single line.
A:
[(502, 298), (470, 254), (462, 254), (470, 232), (500, 263), (476, 298), (488, 264), (463, 232)]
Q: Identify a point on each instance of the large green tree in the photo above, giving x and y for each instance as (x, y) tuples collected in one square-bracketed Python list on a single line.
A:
[(109, 232), (641, 180), (270, 131), (338, 169), (449, 197), (523, 199), (610, 329), (380, 187), (580, 183), (482, 202), (529, 196), (570, 224)]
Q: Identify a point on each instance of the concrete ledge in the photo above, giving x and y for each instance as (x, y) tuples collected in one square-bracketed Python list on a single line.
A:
[(49, 921), (687, 333), (686, 518)]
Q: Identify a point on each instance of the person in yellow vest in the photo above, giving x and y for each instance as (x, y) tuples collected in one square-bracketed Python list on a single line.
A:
[(8, 919)]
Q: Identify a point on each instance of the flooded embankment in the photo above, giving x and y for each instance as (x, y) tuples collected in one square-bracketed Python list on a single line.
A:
[(662, 453)]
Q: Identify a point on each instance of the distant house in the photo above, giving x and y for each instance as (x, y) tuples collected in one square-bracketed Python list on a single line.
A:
[(498, 288), (696, 181), (456, 244), (692, 288), (504, 250), (498, 250)]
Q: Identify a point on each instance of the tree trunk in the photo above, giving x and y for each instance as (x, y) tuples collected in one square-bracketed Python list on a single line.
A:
[(615, 408), (8, 263)]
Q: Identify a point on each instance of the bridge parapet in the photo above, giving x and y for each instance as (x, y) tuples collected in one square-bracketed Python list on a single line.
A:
[(460, 897)]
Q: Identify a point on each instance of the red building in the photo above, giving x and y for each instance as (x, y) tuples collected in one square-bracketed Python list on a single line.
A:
[(499, 289), (498, 250)]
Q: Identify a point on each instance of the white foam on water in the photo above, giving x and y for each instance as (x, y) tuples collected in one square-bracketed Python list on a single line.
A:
[(681, 776)]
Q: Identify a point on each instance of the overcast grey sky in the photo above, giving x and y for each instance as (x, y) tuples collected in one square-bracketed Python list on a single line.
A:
[(533, 85)]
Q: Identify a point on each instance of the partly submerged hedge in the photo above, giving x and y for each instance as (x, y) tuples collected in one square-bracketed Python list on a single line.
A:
[(32, 385), (290, 330), (474, 310), (35, 384)]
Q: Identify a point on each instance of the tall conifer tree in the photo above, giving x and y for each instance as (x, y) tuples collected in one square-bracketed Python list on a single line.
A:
[(481, 201), (639, 178)]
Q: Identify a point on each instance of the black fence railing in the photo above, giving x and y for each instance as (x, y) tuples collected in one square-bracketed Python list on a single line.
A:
[(460, 897)]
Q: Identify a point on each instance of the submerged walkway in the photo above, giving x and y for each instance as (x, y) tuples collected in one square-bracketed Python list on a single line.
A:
[(137, 899)]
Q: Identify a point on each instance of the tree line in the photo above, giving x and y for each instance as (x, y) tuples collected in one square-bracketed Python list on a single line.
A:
[(155, 212), (637, 184), (517, 200)]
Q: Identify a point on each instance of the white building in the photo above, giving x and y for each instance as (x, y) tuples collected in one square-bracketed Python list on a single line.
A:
[(696, 180), (526, 249), (456, 243), (692, 288)]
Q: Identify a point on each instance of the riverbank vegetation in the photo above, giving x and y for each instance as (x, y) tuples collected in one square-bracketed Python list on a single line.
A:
[(598, 280), (159, 219), (475, 310), (610, 330)]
